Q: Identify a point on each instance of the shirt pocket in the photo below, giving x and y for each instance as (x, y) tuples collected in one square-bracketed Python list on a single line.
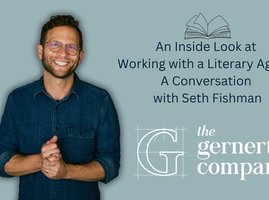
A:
[(80, 133), (78, 146)]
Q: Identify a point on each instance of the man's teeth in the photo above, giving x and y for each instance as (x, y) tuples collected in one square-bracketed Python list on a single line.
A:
[(61, 63)]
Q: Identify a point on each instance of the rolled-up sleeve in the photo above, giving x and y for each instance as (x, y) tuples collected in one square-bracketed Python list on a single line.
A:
[(7, 136), (108, 140)]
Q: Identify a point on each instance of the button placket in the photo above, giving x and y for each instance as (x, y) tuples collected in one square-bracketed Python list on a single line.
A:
[(56, 122)]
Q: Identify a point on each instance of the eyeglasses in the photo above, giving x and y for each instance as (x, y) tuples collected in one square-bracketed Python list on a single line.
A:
[(56, 46)]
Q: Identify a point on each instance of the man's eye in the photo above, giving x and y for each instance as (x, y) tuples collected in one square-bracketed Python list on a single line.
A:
[(72, 47), (55, 44)]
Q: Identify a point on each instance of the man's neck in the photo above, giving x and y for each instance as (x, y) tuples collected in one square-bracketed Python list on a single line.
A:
[(57, 88)]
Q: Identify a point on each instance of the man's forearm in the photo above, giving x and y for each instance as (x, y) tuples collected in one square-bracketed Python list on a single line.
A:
[(20, 165), (92, 171)]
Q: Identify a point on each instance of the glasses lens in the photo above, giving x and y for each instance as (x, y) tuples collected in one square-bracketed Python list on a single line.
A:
[(71, 49), (55, 45)]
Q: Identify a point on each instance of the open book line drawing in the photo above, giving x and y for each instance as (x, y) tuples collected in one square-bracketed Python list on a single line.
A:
[(198, 27)]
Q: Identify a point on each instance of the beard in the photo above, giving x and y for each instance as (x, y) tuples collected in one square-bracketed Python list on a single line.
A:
[(49, 68)]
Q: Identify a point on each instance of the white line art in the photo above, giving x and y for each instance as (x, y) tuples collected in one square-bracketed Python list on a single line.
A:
[(167, 158)]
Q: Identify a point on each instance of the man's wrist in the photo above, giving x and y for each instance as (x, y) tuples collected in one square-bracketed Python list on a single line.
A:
[(38, 160), (68, 171)]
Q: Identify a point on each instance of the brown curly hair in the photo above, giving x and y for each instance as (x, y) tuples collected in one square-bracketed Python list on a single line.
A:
[(60, 20)]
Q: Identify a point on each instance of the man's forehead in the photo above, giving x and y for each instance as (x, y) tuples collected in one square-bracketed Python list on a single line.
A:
[(63, 33)]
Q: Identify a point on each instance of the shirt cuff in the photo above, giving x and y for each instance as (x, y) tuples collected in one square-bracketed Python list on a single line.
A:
[(110, 168), (4, 158)]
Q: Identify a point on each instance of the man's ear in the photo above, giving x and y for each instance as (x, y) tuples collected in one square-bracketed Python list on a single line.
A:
[(39, 51), (81, 55)]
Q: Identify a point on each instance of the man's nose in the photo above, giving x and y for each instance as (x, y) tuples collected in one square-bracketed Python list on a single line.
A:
[(62, 52)]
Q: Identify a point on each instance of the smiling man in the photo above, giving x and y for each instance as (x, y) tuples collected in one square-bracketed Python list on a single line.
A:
[(59, 134)]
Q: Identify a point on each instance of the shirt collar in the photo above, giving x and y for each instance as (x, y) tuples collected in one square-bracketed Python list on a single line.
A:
[(40, 88), (76, 86)]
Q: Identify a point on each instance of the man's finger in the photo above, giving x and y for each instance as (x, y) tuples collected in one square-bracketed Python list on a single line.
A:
[(54, 139), (48, 164), (48, 147), (54, 157), (50, 153)]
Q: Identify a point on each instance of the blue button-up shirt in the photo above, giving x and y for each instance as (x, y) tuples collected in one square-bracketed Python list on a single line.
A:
[(86, 124)]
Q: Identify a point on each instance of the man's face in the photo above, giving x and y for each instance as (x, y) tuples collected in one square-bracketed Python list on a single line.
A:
[(60, 63)]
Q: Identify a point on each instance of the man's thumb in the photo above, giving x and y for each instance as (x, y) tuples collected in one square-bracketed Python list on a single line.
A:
[(54, 139)]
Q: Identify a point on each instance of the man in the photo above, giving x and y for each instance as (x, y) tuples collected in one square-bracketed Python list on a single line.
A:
[(59, 134)]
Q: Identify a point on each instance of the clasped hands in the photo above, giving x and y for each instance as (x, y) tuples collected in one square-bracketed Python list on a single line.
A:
[(53, 166)]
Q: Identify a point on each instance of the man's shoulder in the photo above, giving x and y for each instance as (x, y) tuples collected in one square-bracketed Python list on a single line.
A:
[(89, 88), (28, 88)]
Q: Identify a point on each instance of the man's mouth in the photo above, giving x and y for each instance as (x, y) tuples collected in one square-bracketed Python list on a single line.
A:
[(61, 63)]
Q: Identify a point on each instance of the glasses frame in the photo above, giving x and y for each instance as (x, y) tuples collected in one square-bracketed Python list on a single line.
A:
[(63, 46)]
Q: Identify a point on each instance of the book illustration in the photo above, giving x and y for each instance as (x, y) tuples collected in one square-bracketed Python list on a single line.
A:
[(198, 27)]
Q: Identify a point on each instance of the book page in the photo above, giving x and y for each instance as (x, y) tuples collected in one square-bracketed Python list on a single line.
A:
[(201, 21), (216, 23), (194, 25)]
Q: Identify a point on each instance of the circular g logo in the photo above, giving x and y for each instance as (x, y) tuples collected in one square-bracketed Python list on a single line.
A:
[(170, 157)]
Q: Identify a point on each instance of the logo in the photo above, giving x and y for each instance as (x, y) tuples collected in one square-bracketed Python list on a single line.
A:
[(160, 152)]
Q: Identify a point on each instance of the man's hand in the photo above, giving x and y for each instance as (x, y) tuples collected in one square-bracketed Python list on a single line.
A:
[(53, 166), (50, 150)]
